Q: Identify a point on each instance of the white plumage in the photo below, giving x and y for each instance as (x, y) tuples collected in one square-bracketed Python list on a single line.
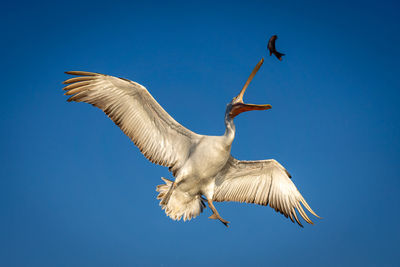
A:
[(202, 165)]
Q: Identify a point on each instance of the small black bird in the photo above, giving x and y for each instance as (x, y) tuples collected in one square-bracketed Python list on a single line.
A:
[(272, 49)]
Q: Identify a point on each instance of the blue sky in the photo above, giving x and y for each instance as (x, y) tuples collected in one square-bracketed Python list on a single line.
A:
[(74, 191)]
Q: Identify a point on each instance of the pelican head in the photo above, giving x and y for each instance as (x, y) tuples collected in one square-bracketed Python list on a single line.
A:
[(237, 106)]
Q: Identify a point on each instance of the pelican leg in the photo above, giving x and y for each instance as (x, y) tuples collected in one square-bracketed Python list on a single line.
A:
[(215, 213), (168, 195)]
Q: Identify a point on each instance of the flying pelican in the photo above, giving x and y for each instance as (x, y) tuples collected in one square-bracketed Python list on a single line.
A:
[(202, 165)]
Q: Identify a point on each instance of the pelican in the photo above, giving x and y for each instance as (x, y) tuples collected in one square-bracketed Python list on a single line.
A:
[(202, 165)]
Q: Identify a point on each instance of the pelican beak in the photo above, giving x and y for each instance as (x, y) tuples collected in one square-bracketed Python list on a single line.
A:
[(238, 106)]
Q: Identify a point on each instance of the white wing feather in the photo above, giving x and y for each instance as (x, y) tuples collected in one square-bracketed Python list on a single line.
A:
[(158, 136), (263, 182)]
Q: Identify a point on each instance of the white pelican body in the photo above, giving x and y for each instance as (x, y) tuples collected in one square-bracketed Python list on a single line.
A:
[(202, 165)]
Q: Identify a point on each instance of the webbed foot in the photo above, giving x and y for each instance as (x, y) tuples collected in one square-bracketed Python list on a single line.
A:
[(215, 214)]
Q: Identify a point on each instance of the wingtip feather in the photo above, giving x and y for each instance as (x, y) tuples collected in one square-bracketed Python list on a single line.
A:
[(84, 73), (304, 202)]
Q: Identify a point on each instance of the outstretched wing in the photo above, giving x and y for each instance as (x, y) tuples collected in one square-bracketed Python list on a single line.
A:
[(263, 182), (158, 136)]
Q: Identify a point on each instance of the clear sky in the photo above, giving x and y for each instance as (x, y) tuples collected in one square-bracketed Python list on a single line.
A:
[(74, 191)]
